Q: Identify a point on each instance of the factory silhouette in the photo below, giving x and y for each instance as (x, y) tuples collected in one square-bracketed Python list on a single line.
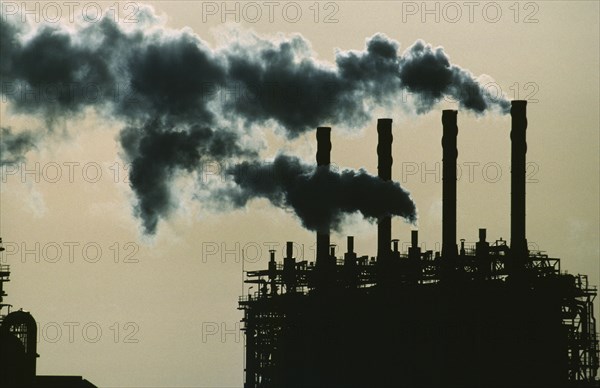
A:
[(491, 315), (488, 315), (18, 348)]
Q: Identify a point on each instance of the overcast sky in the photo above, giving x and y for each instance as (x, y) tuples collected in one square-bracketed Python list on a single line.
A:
[(135, 282)]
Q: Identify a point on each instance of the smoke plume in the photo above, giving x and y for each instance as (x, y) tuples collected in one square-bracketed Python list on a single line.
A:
[(158, 150), (14, 146), (318, 195), (182, 101)]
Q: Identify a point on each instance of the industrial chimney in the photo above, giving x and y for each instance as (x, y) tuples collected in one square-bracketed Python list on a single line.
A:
[(289, 268), (518, 242), (323, 161), (384, 168), (450, 153)]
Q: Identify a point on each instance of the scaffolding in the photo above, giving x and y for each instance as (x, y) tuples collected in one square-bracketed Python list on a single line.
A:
[(278, 287), (4, 277)]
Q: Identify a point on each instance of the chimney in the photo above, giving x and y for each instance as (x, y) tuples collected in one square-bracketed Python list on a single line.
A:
[(482, 250), (414, 238), (289, 268), (450, 153), (384, 168), (395, 245), (518, 242), (414, 252), (482, 234), (350, 243), (323, 161), (272, 272)]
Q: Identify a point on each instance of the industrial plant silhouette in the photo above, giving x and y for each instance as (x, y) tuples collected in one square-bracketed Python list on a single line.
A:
[(486, 316), (489, 315), (18, 348)]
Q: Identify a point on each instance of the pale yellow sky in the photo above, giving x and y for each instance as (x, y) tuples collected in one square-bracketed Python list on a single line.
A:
[(173, 297)]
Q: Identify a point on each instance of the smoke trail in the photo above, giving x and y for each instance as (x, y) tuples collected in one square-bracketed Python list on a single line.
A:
[(320, 197), (427, 72), (157, 151), (175, 73), (14, 146), (168, 88), (283, 82)]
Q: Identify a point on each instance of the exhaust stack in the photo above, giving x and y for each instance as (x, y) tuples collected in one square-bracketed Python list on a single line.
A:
[(384, 168), (518, 241), (323, 161), (450, 153)]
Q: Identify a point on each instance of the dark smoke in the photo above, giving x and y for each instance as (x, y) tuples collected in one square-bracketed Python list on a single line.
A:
[(428, 73), (178, 73), (14, 146), (157, 151), (181, 101), (281, 82), (53, 73), (319, 196)]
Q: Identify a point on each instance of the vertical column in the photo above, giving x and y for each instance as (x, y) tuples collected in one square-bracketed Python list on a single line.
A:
[(323, 161), (450, 154), (518, 241), (384, 169)]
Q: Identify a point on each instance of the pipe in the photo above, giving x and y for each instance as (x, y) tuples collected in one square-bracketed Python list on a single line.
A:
[(414, 252), (323, 161), (518, 112), (350, 255), (384, 169), (482, 234), (323, 146), (350, 272), (482, 250), (272, 272), (350, 243), (289, 268), (450, 153)]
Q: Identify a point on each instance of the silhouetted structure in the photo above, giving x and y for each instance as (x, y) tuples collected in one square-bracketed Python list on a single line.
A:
[(18, 348), (487, 315)]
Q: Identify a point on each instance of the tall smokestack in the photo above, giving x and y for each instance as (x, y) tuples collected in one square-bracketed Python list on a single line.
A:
[(323, 161), (450, 153), (518, 242), (384, 168), (289, 268)]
